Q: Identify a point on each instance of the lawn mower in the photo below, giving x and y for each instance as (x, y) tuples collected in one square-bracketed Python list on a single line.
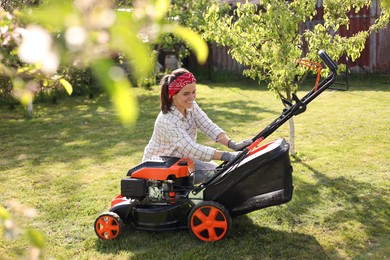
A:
[(160, 194)]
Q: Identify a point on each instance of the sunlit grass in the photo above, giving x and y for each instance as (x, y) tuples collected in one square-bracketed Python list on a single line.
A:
[(67, 162)]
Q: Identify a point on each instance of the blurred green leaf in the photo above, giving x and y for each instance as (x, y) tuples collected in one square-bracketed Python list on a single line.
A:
[(385, 4), (68, 87), (125, 40), (162, 7), (51, 15), (196, 43), (36, 238), (4, 213), (119, 89), (20, 92)]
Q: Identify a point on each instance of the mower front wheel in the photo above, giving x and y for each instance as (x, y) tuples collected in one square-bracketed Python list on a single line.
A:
[(109, 226), (209, 221)]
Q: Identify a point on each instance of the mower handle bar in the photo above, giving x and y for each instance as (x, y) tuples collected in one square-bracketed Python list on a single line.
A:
[(300, 104), (327, 60)]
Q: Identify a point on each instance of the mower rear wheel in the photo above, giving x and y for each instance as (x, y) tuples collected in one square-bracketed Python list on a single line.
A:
[(209, 221), (109, 226)]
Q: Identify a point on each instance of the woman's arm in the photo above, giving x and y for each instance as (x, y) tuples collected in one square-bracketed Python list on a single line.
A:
[(222, 138), (215, 132), (217, 155)]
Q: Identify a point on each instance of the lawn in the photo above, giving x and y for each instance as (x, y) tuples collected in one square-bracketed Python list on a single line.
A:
[(68, 160)]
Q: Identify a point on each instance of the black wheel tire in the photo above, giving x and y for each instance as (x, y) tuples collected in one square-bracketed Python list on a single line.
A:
[(109, 226), (209, 221)]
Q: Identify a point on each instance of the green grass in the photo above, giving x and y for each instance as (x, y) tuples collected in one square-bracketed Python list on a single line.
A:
[(67, 163)]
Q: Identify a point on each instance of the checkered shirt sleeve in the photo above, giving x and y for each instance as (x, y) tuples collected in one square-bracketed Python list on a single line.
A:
[(175, 135)]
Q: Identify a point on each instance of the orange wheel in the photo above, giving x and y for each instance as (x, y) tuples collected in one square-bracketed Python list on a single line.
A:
[(108, 226), (209, 221)]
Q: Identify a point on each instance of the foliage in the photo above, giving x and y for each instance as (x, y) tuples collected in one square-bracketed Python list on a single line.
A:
[(11, 5), (20, 79), (81, 79), (188, 14), (88, 33), (325, 36), (263, 40), (268, 39)]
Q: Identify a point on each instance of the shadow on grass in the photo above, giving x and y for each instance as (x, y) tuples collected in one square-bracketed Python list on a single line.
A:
[(237, 113), (78, 128), (246, 241), (89, 129), (352, 206)]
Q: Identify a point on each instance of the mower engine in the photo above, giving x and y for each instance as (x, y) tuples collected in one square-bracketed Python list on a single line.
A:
[(159, 190), (158, 180)]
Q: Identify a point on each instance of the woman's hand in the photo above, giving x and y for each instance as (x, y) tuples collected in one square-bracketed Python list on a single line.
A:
[(228, 156), (239, 146)]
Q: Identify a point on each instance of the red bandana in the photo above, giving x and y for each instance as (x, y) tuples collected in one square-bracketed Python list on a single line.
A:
[(180, 82)]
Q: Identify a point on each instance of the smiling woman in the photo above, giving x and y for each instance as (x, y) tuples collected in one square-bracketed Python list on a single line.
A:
[(175, 129)]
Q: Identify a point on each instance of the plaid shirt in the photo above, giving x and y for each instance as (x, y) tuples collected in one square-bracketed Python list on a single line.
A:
[(175, 135)]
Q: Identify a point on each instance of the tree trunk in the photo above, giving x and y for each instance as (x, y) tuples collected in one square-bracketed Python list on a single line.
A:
[(30, 109), (292, 127), (292, 136)]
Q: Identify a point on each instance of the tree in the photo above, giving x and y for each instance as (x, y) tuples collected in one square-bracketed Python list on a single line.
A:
[(87, 33), (11, 5), (188, 14), (268, 38)]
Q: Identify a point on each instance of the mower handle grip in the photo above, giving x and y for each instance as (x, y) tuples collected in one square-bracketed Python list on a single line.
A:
[(327, 60)]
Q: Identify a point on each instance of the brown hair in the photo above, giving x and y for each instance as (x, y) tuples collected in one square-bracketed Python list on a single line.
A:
[(166, 102)]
